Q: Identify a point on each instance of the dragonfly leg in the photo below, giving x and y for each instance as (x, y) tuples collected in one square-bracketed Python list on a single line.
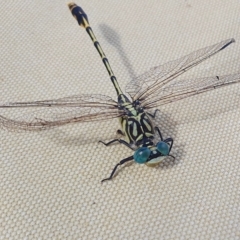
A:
[(154, 114), (115, 168), (160, 135), (120, 141), (170, 141), (171, 156)]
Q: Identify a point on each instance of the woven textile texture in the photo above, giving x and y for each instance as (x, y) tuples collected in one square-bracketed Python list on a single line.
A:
[(50, 181)]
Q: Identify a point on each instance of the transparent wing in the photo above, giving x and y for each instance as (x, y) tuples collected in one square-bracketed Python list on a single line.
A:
[(58, 112), (152, 81), (180, 89)]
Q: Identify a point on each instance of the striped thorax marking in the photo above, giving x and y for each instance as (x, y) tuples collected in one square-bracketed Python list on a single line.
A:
[(136, 127)]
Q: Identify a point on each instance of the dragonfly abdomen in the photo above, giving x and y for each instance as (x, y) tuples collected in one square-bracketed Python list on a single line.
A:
[(82, 19)]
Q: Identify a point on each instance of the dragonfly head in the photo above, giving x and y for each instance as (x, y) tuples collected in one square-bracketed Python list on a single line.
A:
[(151, 154)]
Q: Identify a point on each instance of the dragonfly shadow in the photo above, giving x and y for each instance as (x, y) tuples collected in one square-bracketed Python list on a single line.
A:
[(204, 106), (113, 38), (61, 137), (81, 136)]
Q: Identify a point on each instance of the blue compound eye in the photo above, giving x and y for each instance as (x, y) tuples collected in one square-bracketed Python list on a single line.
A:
[(142, 154), (163, 148)]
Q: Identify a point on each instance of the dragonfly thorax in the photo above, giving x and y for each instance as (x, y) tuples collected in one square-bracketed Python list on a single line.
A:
[(130, 108), (136, 126)]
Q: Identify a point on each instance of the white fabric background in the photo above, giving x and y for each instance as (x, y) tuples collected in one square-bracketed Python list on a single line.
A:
[(50, 181)]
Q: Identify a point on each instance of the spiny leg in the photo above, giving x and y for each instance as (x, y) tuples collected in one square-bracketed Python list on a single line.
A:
[(118, 140), (160, 135), (170, 140), (171, 156), (115, 168), (154, 114)]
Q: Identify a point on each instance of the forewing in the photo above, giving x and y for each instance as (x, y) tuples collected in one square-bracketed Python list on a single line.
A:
[(58, 112), (144, 86), (186, 88)]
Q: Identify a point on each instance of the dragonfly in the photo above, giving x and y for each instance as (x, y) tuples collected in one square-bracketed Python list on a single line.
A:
[(157, 87)]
